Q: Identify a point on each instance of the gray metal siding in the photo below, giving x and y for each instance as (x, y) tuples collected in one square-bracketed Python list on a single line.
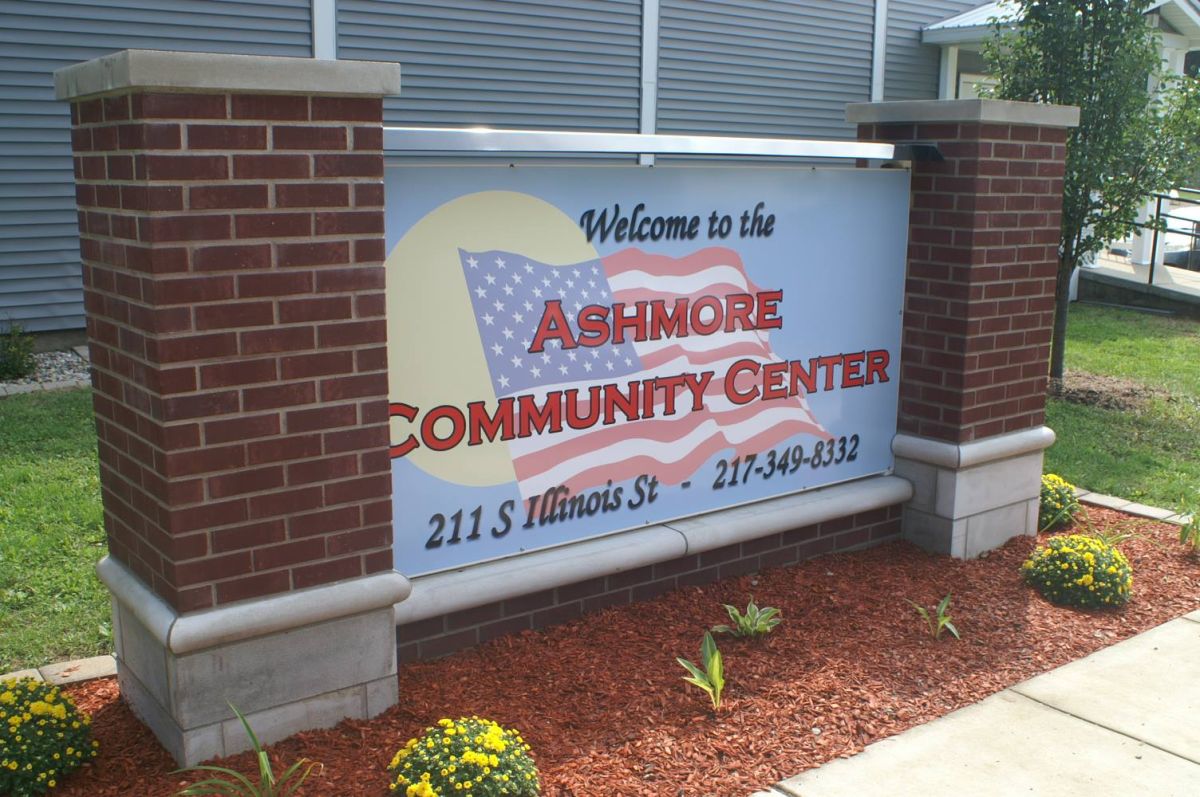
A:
[(912, 67), (763, 67), (555, 64), (40, 282)]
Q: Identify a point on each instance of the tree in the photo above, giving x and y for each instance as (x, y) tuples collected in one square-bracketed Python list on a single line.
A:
[(1139, 128)]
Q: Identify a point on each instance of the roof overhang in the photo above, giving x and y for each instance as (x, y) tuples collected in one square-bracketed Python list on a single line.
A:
[(975, 26)]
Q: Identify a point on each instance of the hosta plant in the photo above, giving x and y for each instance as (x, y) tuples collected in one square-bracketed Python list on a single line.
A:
[(1079, 570), (231, 783), (939, 620), (1057, 504), (467, 756), (712, 677), (755, 622), (43, 737)]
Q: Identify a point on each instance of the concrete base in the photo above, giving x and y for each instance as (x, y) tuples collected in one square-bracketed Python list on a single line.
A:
[(973, 497), (313, 674)]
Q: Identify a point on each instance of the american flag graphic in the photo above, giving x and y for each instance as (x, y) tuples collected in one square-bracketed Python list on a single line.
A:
[(508, 294)]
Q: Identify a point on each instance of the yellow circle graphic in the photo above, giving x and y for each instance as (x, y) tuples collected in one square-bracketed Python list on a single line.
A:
[(435, 355)]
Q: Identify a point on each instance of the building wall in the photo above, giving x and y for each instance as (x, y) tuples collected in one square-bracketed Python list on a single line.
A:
[(726, 67), (912, 67), (40, 279)]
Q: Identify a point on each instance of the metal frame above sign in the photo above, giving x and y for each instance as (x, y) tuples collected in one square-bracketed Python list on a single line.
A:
[(546, 142)]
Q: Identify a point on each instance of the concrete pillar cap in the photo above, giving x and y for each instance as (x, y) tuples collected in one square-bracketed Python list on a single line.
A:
[(993, 111), (216, 72)]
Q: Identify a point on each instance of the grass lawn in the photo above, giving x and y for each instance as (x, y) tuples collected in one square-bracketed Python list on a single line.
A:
[(1150, 454), (52, 606)]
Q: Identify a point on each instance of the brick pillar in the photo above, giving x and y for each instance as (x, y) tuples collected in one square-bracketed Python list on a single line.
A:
[(979, 307), (231, 230)]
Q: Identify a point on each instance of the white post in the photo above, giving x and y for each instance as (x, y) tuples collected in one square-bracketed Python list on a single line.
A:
[(324, 29), (948, 74), (879, 50), (648, 112)]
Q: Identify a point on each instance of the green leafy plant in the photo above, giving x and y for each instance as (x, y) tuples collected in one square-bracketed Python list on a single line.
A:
[(1057, 504), (755, 622), (234, 784), (712, 678), (939, 620), (43, 737), (1189, 531), (469, 755), (1079, 570), (16, 353)]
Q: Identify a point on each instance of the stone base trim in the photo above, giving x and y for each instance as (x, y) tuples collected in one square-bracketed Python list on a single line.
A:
[(448, 632), (458, 590), (973, 497), (289, 662), (246, 620)]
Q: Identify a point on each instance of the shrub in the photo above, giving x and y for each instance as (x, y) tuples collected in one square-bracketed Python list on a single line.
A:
[(16, 353), (43, 737), (755, 622), (1058, 503), (467, 756), (1078, 570)]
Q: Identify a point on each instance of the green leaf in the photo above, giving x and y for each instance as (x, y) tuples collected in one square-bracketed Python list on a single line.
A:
[(723, 629), (950, 627), (707, 648), (716, 676), (692, 668), (943, 605)]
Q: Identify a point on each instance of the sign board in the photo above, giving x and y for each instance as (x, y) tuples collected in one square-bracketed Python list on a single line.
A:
[(579, 350)]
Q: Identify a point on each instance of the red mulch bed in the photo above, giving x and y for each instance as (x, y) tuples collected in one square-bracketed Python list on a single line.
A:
[(602, 702)]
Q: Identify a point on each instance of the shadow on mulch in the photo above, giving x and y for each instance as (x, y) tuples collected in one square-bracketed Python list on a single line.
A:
[(602, 701)]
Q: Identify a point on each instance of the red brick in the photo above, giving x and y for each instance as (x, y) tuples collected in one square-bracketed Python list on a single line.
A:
[(234, 315), (152, 197), (352, 333), (352, 109), (180, 408), (245, 481), (368, 195), (327, 572), (358, 489), (244, 372), (313, 254), (194, 347), (179, 106), (322, 470), (319, 364), (211, 568), (358, 541), (251, 535), (226, 137), (269, 106), (149, 136), (185, 167), (368, 222), (255, 586), (324, 309), (116, 108), (157, 229), (270, 167), (346, 387), (371, 437), (321, 418), (312, 195), (285, 502), (368, 138), (290, 553), (222, 197), (262, 398), (244, 428), (189, 290), (205, 460), (308, 137), (230, 258), (323, 522), (274, 284), (348, 165), (273, 225), (278, 340)]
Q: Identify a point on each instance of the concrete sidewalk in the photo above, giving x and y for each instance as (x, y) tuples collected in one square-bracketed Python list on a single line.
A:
[(1122, 721)]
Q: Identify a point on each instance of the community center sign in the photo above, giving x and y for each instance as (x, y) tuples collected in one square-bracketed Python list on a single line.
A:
[(579, 350)]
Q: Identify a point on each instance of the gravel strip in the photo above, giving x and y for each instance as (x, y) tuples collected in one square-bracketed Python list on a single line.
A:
[(55, 366)]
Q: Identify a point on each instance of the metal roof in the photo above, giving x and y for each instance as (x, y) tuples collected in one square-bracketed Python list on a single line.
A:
[(976, 25)]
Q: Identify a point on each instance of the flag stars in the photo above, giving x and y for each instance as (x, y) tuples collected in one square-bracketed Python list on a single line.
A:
[(528, 305), (595, 354), (535, 371), (587, 366), (537, 292), (472, 262), (499, 305), (508, 290), (571, 356), (507, 333), (499, 262), (546, 281), (575, 271), (481, 292), (562, 369), (608, 365), (491, 280), (488, 319), (519, 318), (546, 357), (497, 349), (562, 294), (528, 269), (595, 270), (516, 278), (525, 344), (570, 283), (516, 361), (503, 380)]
